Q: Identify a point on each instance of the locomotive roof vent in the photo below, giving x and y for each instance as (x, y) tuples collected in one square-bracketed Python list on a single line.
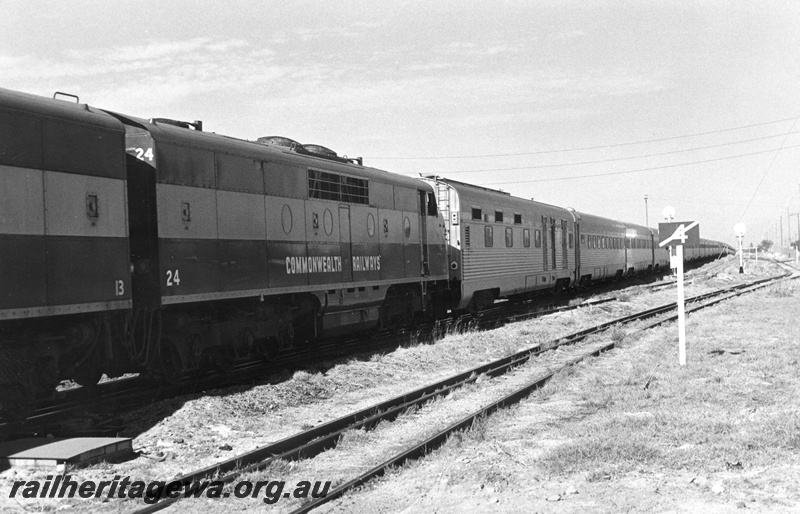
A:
[(196, 125), (279, 141), (320, 150), (313, 150)]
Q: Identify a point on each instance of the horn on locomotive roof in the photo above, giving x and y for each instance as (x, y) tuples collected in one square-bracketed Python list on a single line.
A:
[(196, 125)]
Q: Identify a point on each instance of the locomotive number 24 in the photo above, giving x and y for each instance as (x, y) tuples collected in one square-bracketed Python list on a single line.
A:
[(144, 153), (173, 278)]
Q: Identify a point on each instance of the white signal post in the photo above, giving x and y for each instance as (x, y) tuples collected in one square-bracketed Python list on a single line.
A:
[(669, 215), (679, 236), (739, 229)]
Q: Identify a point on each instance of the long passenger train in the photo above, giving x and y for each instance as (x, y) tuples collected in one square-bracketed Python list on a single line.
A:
[(131, 245)]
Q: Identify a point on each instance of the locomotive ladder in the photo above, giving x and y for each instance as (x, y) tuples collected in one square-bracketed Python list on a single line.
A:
[(443, 199)]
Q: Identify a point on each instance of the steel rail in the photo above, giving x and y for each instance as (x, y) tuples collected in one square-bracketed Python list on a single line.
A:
[(439, 438), (313, 441)]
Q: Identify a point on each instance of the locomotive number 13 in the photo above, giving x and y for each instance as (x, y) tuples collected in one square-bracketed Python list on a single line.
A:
[(173, 279), (119, 287)]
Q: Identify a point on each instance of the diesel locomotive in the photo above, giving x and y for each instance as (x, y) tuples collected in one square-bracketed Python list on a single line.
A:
[(130, 245)]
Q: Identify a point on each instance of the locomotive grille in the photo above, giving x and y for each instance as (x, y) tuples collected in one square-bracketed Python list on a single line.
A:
[(332, 186)]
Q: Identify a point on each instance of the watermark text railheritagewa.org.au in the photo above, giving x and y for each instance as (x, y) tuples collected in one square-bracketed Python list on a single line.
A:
[(270, 491)]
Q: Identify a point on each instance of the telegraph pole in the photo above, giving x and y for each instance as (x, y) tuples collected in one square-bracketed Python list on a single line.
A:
[(646, 213)]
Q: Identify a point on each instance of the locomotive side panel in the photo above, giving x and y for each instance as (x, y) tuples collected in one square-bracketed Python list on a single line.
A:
[(393, 255), (242, 227), (328, 259), (366, 248), (286, 248), (22, 234), (187, 231), (63, 212), (86, 232)]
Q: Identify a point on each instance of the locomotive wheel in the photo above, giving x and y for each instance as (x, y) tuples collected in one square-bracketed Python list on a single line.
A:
[(89, 372), (170, 364), (46, 376), (267, 348), (219, 358), (16, 402)]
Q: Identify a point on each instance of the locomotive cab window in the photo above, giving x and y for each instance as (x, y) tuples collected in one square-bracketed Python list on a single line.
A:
[(476, 214), (432, 209), (498, 216), (517, 219)]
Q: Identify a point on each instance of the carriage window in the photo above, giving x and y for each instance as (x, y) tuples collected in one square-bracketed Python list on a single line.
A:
[(571, 240), (498, 216), (476, 214), (488, 236), (518, 219), (537, 238), (526, 238), (583, 239), (509, 237)]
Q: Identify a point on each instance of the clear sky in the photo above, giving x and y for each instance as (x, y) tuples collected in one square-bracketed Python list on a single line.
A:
[(587, 104)]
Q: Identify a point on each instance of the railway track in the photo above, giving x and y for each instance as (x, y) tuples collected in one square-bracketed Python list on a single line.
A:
[(310, 443), (66, 415), (52, 416)]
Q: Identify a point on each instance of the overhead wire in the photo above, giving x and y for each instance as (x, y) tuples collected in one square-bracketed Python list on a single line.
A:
[(769, 167), (616, 159), (578, 149), (641, 170)]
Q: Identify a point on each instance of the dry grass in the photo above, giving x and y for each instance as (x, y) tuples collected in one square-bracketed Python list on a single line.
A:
[(734, 402)]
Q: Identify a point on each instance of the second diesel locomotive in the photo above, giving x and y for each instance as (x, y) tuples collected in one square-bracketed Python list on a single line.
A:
[(132, 245)]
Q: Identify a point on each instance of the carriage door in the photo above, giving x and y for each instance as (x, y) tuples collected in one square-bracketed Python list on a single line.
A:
[(564, 254), (553, 242), (423, 231), (577, 250), (545, 237), (345, 243), (652, 249)]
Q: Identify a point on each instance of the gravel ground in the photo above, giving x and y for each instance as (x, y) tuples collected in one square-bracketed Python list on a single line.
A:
[(480, 469)]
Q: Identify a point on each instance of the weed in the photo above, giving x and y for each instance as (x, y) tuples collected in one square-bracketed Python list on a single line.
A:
[(618, 335), (607, 452), (782, 289)]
